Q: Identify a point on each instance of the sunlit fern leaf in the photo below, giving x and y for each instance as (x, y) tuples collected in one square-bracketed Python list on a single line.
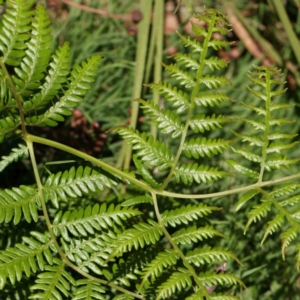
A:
[(37, 55), (258, 109), (252, 140), (162, 261), (258, 212), (273, 226), (184, 78), (201, 147), (18, 202), (53, 282), (81, 77), (208, 255), (137, 200), (211, 99), (193, 172), (57, 75), (288, 236), (186, 214), (15, 31), (279, 136), (7, 125), (200, 294), (211, 278), (187, 61), (215, 63), (86, 221), (243, 170), (245, 198), (285, 190), (178, 98), (278, 162), (90, 254), (15, 155), (249, 155), (202, 123), (24, 259), (88, 289), (176, 282), (168, 121), (215, 82), (192, 43), (281, 121), (254, 124), (74, 183), (193, 234), (291, 201), (142, 234), (154, 152), (278, 147)]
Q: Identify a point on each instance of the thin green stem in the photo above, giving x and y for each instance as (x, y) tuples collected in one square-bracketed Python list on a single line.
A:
[(16, 96), (176, 248), (52, 235), (194, 93)]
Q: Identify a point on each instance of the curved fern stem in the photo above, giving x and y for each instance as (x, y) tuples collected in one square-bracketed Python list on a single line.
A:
[(16, 96), (194, 93), (175, 247), (52, 235)]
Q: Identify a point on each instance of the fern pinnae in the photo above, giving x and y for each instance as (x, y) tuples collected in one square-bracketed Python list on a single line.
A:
[(88, 289), (36, 60), (14, 31), (17, 153)]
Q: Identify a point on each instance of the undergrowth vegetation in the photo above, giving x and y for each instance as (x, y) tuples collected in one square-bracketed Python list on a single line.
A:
[(161, 229)]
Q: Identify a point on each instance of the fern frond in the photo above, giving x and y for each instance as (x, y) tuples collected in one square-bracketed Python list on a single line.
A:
[(211, 278), (15, 31), (176, 282), (156, 153), (192, 43), (258, 212), (16, 202), (287, 237), (273, 225), (88, 290), (245, 198), (215, 82), (211, 99), (192, 172), (168, 122), (57, 75), (84, 222), (74, 183), (15, 155), (194, 234), (201, 147), (53, 283), (7, 125), (142, 234), (37, 56), (279, 162), (177, 97), (206, 255), (187, 61), (186, 214), (252, 140), (162, 260), (254, 124), (137, 200), (202, 123), (215, 63), (81, 76), (184, 78), (279, 136), (25, 259), (243, 170)]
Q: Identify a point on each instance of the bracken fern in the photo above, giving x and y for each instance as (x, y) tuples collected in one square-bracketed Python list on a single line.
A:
[(144, 244)]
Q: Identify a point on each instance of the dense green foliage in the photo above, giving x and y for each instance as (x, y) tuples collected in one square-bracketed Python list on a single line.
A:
[(93, 231)]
